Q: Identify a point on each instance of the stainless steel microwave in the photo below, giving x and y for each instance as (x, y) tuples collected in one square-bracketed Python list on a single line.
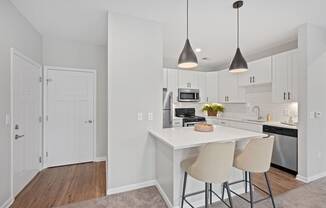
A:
[(188, 95)]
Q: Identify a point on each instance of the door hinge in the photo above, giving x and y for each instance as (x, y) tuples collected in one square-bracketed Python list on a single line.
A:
[(46, 154), (41, 79), (47, 118), (40, 159), (48, 80)]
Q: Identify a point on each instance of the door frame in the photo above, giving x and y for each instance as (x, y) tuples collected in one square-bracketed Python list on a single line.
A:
[(45, 75), (15, 52)]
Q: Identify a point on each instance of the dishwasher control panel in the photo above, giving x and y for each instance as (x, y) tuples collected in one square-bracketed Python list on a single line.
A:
[(280, 130)]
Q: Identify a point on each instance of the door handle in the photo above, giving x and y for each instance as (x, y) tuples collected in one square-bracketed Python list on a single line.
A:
[(284, 96), (89, 121), (18, 136)]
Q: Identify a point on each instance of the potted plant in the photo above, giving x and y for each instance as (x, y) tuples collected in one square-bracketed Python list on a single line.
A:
[(213, 109)]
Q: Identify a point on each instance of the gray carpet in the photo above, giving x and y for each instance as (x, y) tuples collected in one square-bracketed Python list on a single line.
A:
[(312, 195)]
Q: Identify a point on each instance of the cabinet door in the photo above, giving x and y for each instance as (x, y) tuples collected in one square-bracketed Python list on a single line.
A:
[(165, 78), (201, 81), (228, 88), (293, 76), (280, 77), (188, 79), (261, 71), (212, 87), (173, 82)]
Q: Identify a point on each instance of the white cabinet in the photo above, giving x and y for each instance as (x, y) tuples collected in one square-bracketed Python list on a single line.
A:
[(212, 87), (188, 79), (201, 83), (238, 124), (172, 83), (259, 72), (229, 91), (165, 78), (285, 77)]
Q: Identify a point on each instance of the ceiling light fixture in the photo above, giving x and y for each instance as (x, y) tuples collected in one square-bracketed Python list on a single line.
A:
[(187, 58), (238, 63)]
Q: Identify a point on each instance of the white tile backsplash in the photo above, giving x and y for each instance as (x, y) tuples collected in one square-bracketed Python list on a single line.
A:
[(258, 95)]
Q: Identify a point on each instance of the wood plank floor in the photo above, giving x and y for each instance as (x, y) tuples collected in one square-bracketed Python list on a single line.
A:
[(63, 185), (67, 184), (280, 181)]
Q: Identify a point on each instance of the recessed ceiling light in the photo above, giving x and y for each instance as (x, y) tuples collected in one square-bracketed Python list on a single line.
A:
[(198, 50)]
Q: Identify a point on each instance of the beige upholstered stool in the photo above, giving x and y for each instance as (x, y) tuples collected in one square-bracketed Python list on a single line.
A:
[(255, 158), (212, 165)]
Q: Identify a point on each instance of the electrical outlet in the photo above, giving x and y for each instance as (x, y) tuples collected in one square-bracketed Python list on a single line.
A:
[(150, 116), (140, 116)]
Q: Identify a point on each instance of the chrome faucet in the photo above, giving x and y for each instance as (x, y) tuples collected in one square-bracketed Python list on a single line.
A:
[(257, 108)]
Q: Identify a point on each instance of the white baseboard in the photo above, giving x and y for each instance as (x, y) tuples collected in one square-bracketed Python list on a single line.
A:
[(164, 196), (7, 203), (311, 178), (100, 159), (131, 187)]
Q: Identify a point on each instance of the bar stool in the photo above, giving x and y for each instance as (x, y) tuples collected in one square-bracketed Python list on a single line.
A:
[(255, 158), (212, 165)]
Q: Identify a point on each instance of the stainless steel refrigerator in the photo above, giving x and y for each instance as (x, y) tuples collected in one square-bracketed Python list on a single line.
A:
[(167, 108)]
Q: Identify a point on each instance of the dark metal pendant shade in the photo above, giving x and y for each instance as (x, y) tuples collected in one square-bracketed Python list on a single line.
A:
[(187, 58), (238, 63)]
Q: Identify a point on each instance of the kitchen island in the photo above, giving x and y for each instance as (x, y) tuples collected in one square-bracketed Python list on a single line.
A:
[(176, 144)]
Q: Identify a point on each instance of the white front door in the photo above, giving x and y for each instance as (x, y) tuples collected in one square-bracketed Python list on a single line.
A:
[(27, 125), (70, 116)]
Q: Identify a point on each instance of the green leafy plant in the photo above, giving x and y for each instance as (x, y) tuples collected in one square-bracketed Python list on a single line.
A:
[(213, 108)]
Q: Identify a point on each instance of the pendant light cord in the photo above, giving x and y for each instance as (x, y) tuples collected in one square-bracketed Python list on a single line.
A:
[(238, 30), (187, 19)]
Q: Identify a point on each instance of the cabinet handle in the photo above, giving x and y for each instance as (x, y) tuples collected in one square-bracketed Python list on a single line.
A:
[(250, 79), (289, 95), (284, 96), (253, 79)]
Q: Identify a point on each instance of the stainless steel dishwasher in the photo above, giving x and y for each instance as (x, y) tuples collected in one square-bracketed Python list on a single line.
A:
[(285, 151)]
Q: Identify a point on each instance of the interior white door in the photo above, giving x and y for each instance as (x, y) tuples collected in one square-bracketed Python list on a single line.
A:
[(27, 126), (70, 117)]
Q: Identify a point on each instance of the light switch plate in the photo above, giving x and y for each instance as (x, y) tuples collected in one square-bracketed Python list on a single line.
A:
[(140, 116), (150, 116)]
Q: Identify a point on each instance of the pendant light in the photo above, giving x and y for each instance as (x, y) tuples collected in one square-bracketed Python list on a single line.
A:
[(238, 63), (187, 58)]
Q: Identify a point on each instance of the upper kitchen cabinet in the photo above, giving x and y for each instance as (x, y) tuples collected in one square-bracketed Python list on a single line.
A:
[(172, 82), (259, 72), (212, 87), (165, 78), (188, 79), (201, 84), (229, 91), (285, 77)]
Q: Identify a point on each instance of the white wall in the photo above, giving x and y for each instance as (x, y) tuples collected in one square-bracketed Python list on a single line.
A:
[(312, 45), (135, 85), (74, 54), (18, 33)]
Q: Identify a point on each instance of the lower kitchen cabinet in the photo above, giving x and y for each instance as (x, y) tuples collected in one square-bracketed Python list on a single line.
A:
[(237, 124)]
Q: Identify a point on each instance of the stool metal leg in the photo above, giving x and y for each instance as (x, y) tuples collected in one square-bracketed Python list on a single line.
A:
[(210, 193), (269, 189), (184, 188), (223, 187), (206, 194), (251, 192), (246, 182), (229, 194)]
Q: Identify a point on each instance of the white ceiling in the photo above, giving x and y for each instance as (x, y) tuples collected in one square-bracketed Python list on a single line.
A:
[(264, 23)]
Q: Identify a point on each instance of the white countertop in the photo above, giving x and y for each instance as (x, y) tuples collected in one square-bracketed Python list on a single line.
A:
[(270, 123), (186, 137)]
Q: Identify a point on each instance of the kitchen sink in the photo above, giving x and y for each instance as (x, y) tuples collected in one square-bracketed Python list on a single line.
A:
[(256, 120)]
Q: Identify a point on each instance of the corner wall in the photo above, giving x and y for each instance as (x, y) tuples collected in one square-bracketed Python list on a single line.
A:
[(312, 99), (75, 54), (135, 55), (16, 32)]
